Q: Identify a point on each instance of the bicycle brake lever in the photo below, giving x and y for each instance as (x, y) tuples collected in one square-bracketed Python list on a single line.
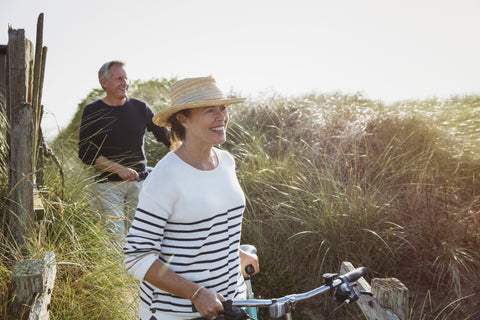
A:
[(232, 312), (328, 279), (345, 292)]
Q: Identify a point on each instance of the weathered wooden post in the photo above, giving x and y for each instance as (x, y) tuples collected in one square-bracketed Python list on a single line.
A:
[(22, 131), (38, 75), (3, 73), (382, 306), (391, 293), (33, 281)]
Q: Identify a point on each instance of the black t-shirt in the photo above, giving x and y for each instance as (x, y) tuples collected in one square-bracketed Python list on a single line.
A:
[(117, 133)]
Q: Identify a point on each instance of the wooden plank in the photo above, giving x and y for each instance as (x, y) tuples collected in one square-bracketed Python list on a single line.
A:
[(19, 99), (37, 74), (40, 163), (391, 293), (3, 77), (41, 306), (33, 281), (370, 306), (38, 205)]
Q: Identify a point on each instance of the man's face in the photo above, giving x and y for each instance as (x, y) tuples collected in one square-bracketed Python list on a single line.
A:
[(117, 85)]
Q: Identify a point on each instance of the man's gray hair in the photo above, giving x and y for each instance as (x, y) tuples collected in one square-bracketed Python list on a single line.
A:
[(104, 72)]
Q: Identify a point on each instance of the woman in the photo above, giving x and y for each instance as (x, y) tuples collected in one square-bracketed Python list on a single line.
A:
[(183, 244)]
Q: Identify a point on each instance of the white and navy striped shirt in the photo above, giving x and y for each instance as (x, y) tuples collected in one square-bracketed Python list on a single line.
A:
[(191, 220)]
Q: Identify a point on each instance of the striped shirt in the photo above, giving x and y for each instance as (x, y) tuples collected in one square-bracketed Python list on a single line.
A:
[(191, 221)]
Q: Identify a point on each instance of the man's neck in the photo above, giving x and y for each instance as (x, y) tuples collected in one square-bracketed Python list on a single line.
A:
[(114, 102)]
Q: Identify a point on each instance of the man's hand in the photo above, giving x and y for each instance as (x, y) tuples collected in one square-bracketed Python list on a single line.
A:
[(125, 173), (128, 174)]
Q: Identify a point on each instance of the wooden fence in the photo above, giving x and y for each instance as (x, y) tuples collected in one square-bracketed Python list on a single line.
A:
[(21, 82), (24, 81), (389, 300)]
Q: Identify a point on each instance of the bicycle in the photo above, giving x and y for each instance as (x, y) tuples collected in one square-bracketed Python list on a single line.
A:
[(341, 286)]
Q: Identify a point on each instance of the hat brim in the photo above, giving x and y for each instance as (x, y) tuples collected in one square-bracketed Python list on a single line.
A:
[(161, 118)]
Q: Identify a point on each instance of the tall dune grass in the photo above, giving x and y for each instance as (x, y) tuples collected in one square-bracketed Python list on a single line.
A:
[(91, 282), (335, 178), (328, 178)]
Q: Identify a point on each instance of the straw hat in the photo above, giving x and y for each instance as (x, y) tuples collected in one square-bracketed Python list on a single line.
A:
[(193, 93)]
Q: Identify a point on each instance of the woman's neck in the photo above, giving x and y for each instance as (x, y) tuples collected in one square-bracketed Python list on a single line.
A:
[(199, 158)]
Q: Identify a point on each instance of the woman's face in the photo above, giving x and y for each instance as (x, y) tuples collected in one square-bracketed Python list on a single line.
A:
[(206, 125)]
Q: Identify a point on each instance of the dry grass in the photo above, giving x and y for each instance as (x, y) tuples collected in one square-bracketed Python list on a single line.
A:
[(328, 178), (335, 178)]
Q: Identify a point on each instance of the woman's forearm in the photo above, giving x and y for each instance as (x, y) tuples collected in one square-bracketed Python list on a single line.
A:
[(163, 278)]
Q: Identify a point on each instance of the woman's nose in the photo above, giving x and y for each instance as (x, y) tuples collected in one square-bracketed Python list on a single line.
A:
[(221, 114)]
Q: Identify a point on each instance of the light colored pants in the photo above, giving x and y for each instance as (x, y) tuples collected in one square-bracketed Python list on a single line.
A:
[(117, 202)]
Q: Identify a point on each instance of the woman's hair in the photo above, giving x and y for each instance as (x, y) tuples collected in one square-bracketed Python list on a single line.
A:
[(177, 130), (104, 72)]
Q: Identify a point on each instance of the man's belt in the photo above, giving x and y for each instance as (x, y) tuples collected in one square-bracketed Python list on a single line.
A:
[(115, 178)]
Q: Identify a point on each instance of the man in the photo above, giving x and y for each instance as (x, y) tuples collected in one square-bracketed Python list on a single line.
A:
[(111, 139)]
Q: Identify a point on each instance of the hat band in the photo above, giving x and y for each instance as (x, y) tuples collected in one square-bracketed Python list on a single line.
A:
[(201, 96)]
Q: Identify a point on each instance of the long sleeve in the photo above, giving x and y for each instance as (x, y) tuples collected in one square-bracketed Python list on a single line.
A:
[(90, 139), (146, 233), (190, 220), (117, 133), (162, 134)]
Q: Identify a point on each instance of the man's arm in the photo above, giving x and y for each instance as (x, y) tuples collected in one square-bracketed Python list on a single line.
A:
[(90, 136), (162, 134), (125, 173)]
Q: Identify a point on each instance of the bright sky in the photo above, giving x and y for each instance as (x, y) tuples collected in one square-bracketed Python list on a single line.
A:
[(387, 50)]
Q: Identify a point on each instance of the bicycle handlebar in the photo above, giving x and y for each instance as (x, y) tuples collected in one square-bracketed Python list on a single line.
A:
[(347, 278), (353, 275), (281, 306)]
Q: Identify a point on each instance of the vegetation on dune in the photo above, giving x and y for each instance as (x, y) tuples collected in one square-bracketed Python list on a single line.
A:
[(328, 178), (336, 178)]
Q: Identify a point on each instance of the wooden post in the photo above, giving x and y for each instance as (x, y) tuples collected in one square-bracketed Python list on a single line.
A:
[(370, 306), (33, 281), (40, 181), (19, 105), (3, 78), (393, 294), (38, 74)]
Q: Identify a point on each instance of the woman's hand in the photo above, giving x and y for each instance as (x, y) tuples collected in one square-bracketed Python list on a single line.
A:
[(247, 259), (208, 303)]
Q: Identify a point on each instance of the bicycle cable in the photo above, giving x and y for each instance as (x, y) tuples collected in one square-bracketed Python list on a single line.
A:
[(335, 310)]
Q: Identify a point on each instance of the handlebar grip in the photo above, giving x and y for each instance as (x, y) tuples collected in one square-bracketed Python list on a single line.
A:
[(249, 269), (354, 275)]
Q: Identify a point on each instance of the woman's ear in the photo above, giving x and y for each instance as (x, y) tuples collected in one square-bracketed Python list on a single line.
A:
[(181, 118)]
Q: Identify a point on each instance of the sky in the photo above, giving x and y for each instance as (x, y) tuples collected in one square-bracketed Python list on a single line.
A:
[(386, 50)]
